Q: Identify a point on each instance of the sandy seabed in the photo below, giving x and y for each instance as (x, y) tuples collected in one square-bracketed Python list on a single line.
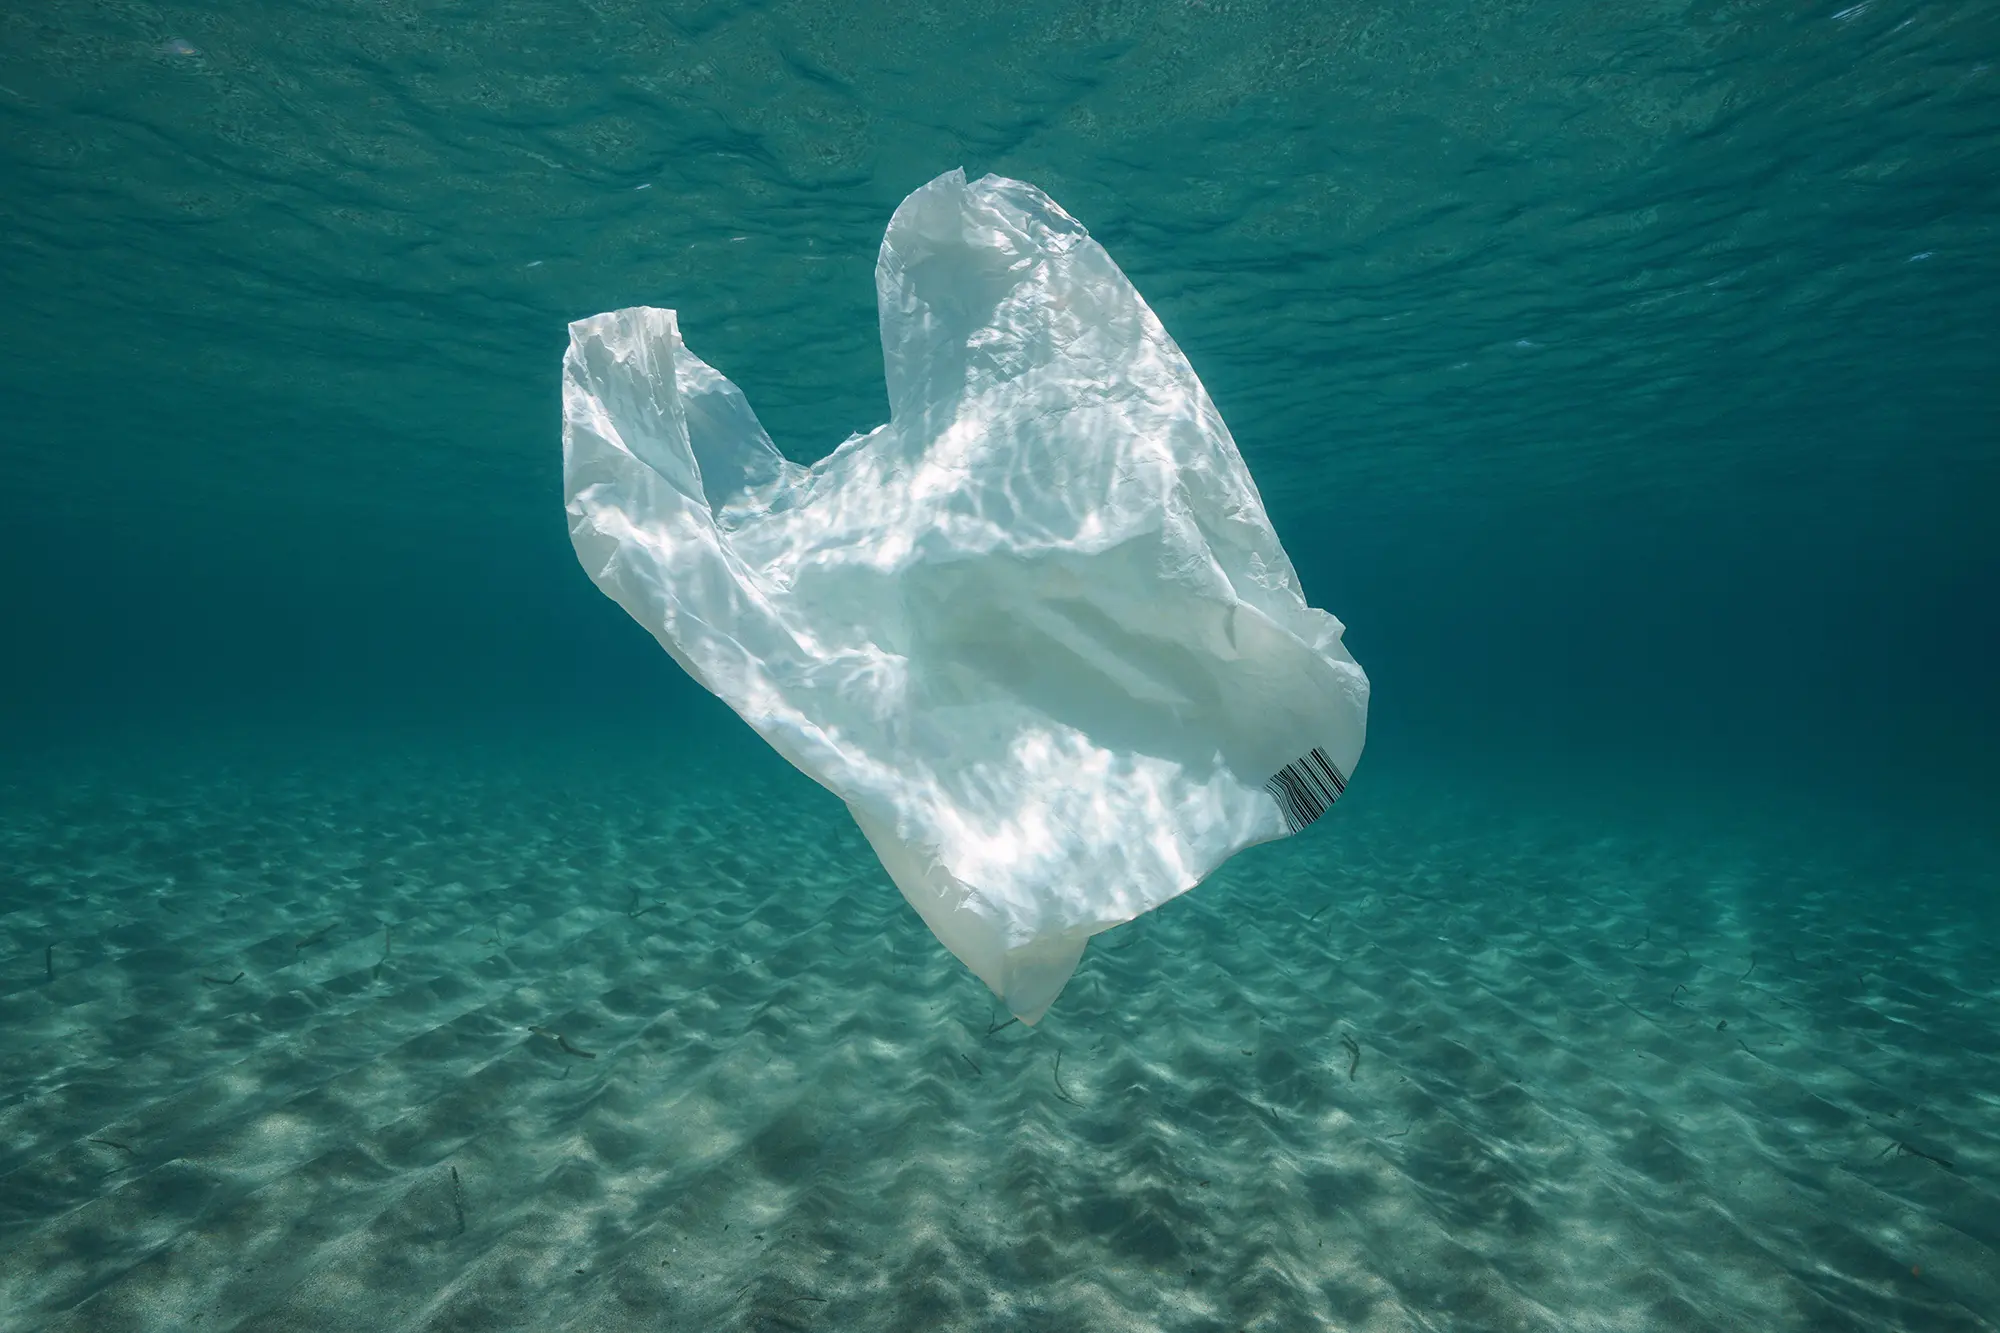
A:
[(432, 1041)]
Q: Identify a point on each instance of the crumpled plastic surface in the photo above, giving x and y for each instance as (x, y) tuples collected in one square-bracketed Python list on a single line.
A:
[(1037, 631)]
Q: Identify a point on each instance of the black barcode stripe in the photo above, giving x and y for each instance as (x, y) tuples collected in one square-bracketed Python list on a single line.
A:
[(1319, 760), (1305, 788)]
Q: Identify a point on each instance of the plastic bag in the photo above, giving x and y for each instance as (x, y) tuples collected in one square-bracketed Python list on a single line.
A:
[(1036, 632)]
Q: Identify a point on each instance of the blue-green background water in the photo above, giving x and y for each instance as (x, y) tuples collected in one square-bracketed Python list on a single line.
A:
[(1626, 376)]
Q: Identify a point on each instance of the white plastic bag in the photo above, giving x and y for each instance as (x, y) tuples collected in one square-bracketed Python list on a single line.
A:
[(1037, 631)]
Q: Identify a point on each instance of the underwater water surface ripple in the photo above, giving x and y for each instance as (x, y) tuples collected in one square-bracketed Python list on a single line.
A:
[(1413, 246)]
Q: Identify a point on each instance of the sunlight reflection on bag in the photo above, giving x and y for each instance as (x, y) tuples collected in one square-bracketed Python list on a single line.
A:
[(1037, 631)]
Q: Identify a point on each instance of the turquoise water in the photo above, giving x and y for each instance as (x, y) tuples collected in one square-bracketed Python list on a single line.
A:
[(1625, 377)]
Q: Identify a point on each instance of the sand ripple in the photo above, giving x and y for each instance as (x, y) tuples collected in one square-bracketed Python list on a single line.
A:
[(452, 1045)]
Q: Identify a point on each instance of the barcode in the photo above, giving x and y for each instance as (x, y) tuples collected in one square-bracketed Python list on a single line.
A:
[(1305, 787)]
